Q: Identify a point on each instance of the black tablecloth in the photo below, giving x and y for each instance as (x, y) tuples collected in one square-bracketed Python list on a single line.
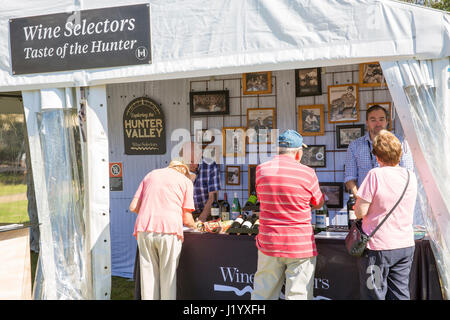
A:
[(215, 266)]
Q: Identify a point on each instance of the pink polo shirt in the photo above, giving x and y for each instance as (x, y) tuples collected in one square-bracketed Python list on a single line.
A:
[(163, 194), (382, 187)]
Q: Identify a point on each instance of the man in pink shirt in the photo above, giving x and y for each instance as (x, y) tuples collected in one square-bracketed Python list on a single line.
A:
[(286, 247), (385, 266), (164, 202)]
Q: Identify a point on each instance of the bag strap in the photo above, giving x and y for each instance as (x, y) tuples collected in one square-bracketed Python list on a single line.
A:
[(395, 206)]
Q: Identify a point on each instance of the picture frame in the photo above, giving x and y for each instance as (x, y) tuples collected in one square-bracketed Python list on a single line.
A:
[(371, 75), (334, 192), (387, 107), (311, 120), (314, 156), (251, 178), (343, 103), (308, 82), (204, 137), (233, 141), (347, 133), (209, 103), (257, 83), (233, 175), (212, 153), (260, 125)]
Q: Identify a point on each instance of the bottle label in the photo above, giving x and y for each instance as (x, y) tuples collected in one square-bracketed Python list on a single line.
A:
[(246, 224), (215, 212), (239, 220), (225, 215), (321, 221), (252, 199), (351, 215)]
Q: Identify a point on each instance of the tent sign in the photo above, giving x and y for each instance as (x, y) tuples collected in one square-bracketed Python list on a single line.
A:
[(115, 176), (99, 38), (144, 128)]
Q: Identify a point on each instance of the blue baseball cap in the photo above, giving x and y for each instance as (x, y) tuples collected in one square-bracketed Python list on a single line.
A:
[(291, 139)]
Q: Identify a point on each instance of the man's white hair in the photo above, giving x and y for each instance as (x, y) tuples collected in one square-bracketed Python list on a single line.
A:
[(283, 150)]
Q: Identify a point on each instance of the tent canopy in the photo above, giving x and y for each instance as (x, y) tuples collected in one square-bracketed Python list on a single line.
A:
[(200, 38)]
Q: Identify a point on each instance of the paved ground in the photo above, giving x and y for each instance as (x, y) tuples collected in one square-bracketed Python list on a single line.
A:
[(13, 197)]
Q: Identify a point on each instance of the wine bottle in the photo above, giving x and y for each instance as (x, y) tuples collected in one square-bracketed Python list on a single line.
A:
[(237, 223), (235, 207), (225, 209), (251, 202), (247, 224), (255, 225), (351, 210), (215, 208), (321, 218)]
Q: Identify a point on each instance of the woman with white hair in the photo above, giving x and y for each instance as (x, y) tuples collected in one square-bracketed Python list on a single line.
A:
[(164, 202)]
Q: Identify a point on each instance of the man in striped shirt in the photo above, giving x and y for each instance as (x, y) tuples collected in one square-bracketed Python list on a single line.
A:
[(286, 246)]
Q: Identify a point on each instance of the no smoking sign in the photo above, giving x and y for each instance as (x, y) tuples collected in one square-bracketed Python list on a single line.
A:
[(115, 176)]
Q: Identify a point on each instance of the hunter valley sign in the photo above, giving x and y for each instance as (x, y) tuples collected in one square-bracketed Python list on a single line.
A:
[(107, 37), (144, 127)]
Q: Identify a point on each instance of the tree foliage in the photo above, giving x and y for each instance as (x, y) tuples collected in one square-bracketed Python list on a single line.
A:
[(435, 4)]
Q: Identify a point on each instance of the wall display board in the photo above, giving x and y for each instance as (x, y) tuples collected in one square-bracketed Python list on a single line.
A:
[(324, 154)]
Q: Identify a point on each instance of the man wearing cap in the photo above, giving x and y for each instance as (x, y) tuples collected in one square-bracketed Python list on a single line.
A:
[(359, 159), (286, 248)]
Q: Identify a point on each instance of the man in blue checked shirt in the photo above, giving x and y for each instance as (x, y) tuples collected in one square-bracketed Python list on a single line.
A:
[(359, 159), (207, 179)]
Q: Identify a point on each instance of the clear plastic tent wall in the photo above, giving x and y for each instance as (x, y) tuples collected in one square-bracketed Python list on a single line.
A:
[(61, 152), (420, 90)]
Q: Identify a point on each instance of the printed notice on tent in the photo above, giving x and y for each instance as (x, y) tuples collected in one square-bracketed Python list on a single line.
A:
[(99, 38), (144, 127), (115, 176)]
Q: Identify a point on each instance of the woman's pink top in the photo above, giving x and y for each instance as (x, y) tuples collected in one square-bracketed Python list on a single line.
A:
[(382, 187), (163, 194)]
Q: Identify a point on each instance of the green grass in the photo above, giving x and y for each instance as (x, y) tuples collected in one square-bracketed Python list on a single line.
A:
[(14, 212), (122, 288), (9, 189)]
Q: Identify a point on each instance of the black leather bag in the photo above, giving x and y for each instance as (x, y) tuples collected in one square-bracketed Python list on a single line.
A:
[(356, 240)]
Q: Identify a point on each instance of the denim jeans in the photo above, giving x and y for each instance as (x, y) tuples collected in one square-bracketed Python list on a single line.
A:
[(384, 274)]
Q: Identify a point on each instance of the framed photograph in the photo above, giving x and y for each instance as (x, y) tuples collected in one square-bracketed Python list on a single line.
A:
[(208, 103), (343, 102), (371, 75), (334, 191), (251, 178), (260, 122), (211, 153), (314, 156), (257, 82), (311, 120), (346, 134), (233, 141), (233, 175), (204, 137), (387, 107), (308, 82)]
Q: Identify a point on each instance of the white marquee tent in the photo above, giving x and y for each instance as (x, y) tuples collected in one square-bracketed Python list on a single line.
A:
[(208, 38)]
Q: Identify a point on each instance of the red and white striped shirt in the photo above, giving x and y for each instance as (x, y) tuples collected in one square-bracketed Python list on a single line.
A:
[(285, 189)]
